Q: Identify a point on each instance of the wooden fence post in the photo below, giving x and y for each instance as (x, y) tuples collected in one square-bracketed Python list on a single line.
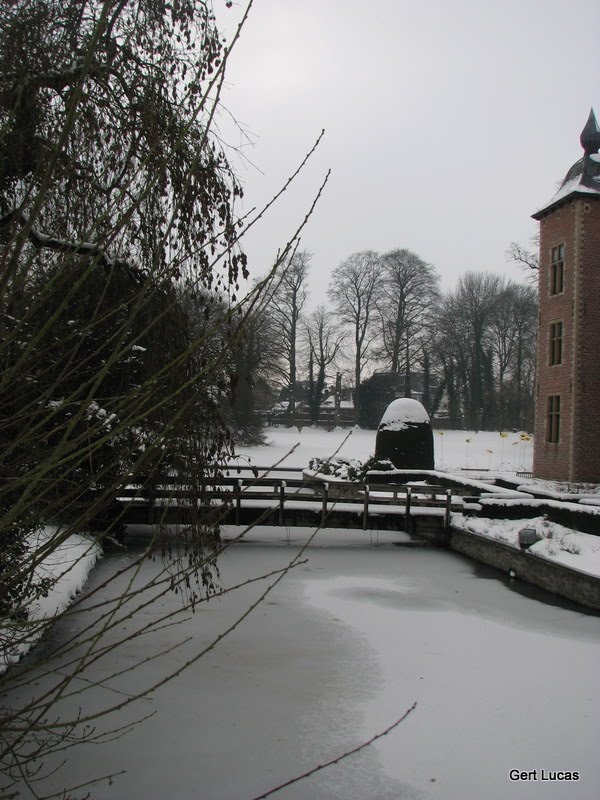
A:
[(238, 500), (324, 509), (151, 501), (448, 507), (407, 510), (282, 486), (366, 507)]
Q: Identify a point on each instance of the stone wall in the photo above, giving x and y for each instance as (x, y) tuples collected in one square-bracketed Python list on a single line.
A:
[(564, 581)]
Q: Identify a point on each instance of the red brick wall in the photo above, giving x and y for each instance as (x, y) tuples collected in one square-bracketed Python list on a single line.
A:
[(576, 457), (553, 460), (586, 451)]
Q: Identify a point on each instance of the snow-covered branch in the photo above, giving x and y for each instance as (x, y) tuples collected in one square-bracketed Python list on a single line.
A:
[(89, 249)]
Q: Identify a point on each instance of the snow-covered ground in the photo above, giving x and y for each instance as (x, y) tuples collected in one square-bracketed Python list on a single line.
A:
[(68, 566), (338, 651), (454, 450), (475, 455), (573, 549), (481, 454)]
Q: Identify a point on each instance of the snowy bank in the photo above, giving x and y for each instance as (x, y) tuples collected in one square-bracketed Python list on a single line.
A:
[(68, 566), (580, 551), (564, 562)]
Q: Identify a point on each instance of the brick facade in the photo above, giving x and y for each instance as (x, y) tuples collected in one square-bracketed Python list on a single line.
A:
[(567, 412), (575, 223), (586, 431)]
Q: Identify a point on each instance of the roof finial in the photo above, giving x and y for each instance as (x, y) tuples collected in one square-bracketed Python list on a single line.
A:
[(590, 135)]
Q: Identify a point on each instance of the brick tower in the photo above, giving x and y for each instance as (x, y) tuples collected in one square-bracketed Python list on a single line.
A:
[(567, 413)]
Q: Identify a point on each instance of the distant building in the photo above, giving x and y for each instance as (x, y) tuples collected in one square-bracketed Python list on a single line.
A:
[(567, 416)]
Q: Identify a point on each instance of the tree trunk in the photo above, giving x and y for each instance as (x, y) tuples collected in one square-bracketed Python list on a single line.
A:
[(407, 376), (426, 399), (312, 390), (292, 382), (320, 385), (338, 398), (357, 373)]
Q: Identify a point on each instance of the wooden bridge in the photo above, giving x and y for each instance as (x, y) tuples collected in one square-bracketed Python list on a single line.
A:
[(281, 496)]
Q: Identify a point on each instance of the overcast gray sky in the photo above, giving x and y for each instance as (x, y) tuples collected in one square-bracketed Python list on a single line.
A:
[(448, 122)]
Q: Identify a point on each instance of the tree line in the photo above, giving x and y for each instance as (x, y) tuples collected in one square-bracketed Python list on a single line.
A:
[(467, 354)]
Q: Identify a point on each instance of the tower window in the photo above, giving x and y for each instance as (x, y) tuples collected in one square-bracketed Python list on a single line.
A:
[(557, 269), (553, 419), (555, 343)]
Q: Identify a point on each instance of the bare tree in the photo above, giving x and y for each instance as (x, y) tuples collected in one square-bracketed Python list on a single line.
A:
[(486, 347), (529, 259), (513, 339), (353, 291), (466, 324), (406, 302), (324, 342), (283, 308)]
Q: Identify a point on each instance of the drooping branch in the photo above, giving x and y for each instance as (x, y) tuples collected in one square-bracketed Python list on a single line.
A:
[(89, 249), (57, 80)]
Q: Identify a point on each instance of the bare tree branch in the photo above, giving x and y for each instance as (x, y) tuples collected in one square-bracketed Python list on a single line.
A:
[(337, 759)]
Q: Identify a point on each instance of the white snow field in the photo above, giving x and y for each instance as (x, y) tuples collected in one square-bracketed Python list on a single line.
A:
[(454, 450)]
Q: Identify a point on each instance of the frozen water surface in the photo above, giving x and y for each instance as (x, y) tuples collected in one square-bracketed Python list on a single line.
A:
[(339, 650)]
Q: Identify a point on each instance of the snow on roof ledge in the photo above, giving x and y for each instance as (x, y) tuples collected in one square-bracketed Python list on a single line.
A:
[(568, 188), (584, 176)]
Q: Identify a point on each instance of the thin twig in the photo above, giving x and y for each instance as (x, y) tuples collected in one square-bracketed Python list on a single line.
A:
[(337, 759)]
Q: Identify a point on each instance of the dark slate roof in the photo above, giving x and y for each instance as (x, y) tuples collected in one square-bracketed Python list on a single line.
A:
[(584, 176)]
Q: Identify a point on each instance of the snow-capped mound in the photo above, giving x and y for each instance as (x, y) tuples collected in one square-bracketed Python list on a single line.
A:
[(404, 435), (401, 413)]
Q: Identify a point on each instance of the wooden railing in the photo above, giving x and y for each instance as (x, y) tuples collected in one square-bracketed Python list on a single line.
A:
[(274, 492)]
